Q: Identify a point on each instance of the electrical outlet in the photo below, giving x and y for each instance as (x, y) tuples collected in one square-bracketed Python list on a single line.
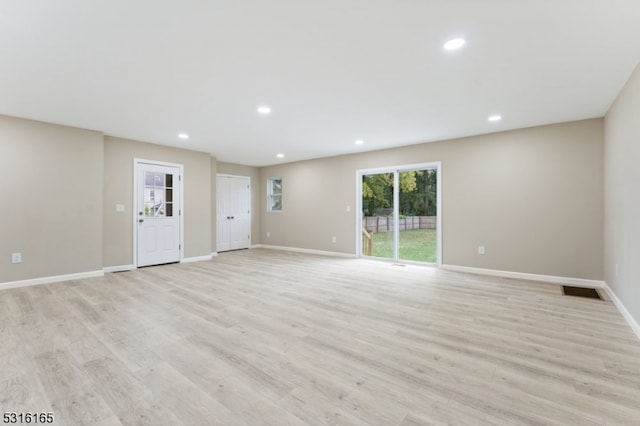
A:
[(268, 234), (481, 250), (333, 239), (16, 257)]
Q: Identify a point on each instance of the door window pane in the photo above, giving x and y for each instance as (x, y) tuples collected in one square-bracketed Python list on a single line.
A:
[(158, 194), (417, 221), (378, 230)]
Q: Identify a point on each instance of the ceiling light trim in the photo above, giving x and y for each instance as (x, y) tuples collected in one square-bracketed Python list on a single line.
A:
[(454, 44), (264, 110)]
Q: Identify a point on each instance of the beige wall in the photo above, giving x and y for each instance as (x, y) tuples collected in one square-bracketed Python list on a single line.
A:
[(51, 199), (622, 201), (118, 189), (254, 174), (532, 197)]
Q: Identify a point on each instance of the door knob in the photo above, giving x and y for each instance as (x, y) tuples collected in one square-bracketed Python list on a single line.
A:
[(140, 220)]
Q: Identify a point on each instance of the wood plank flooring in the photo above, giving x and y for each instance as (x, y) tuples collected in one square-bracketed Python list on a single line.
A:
[(268, 337)]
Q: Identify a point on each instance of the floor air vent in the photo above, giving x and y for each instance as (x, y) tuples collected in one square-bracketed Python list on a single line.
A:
[(591, 293)]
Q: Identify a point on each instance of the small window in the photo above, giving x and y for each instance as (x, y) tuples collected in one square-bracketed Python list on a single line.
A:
[(274, 192)]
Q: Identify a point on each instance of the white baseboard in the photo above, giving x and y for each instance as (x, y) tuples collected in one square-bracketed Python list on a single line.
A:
[(196, 259), (576, 282), (623, 310), (118, 268), (121, 268), (307, 251), (52, 279), (214, 254)]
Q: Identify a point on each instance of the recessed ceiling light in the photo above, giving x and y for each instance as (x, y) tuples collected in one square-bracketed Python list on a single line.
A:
[(495, 118), (359, 142), (183, 136), (280, 155), (454, 44), (264, 110)]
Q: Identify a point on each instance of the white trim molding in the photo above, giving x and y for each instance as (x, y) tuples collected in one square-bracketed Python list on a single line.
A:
[(214, 254), (307, 251), (52, 279), (623, 310), (122, 268), (118, 268), (197, 258), (576, 282), (232, 176)]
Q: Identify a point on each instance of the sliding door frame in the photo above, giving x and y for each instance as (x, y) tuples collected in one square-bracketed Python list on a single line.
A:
[(437, 165)]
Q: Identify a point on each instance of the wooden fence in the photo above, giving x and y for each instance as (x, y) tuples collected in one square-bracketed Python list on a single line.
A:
[(367, 243), (375, 224)]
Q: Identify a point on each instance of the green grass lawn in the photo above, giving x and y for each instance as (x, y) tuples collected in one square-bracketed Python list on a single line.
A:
[(417, 245)]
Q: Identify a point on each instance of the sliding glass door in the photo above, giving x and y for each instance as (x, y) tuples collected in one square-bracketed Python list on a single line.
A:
[(417, 223), (378, 208), (400, 213)]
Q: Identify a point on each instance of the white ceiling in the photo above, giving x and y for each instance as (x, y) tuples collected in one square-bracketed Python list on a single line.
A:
[(333, 71)]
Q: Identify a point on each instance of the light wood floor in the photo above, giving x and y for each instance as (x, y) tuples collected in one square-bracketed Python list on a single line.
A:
[(268, 337)]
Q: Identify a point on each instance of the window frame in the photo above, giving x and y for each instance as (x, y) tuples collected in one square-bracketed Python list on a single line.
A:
[(271, 195)]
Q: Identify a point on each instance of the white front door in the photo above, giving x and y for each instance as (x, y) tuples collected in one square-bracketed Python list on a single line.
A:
[(233, 198), (158, 212)]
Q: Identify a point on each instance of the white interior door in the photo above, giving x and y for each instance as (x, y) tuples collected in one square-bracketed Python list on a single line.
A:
[(158, 212), (233, 212), (223, 222)]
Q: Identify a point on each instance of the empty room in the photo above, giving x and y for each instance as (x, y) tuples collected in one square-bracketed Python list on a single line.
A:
[(285, 212)]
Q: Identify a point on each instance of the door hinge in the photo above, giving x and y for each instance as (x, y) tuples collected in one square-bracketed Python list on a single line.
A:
[(249, 237), (180, 178), (179, 246)]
